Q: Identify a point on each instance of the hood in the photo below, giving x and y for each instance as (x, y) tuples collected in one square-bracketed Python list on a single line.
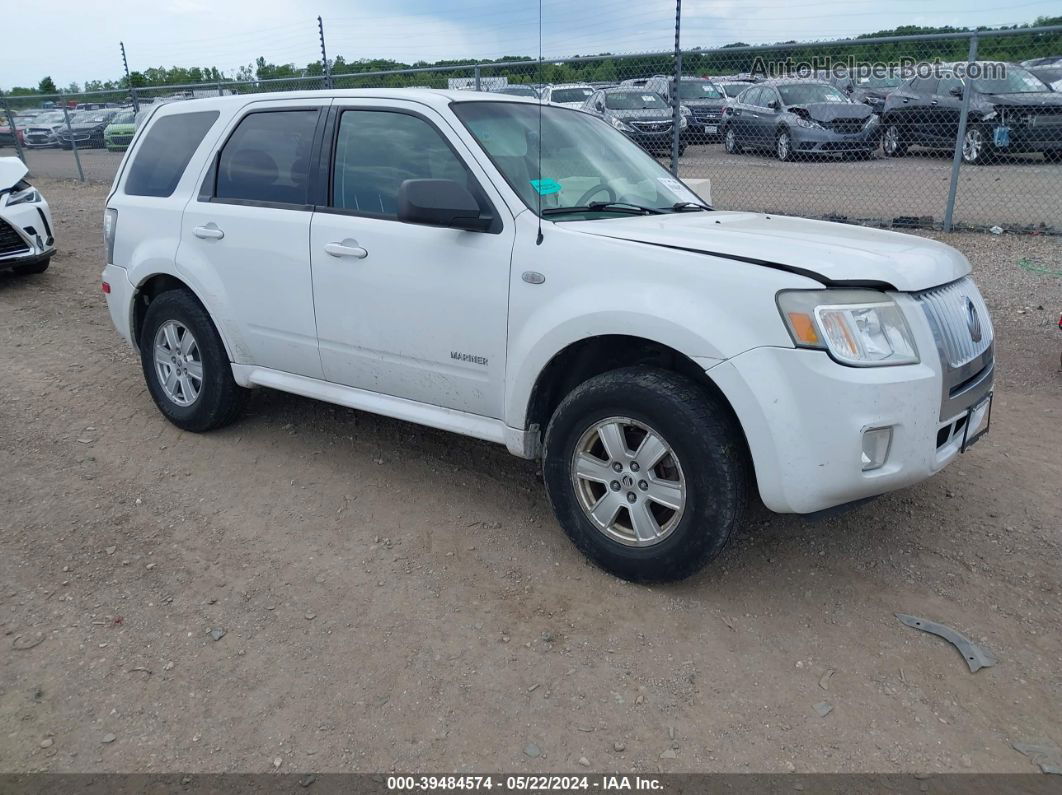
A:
[(704, 104), (828, 252), (96, 125), (831, 111), (11, 171), (649, 114), (1051, 99)]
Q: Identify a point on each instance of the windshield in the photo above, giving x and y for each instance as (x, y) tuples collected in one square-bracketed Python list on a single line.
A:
[(698, 89), (881, 81), (583, 159), (570, 94), (518, 91), (124, 117), (733, 89), (1015, 81), (634, 100), (808, 93)]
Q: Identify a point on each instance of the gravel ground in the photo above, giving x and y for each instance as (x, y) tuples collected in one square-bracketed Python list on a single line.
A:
[(1020, 192), (386, 596)]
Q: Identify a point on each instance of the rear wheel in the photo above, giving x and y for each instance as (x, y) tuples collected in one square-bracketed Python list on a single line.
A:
[(894, 141), (647, 473), (1053, 155), (185, 364)]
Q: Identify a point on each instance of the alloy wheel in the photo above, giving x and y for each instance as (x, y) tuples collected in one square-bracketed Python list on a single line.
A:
[(628, 481), (783, 146), (891, 140), (973, 145), (178, 363)]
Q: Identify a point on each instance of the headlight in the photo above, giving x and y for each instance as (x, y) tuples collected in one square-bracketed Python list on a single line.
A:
[(620, 125), (683, 122), (859, 328), (989, 116), (26, 196), (813, 125)]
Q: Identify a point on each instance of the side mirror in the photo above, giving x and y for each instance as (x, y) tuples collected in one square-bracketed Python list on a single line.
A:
[(956, 91), (774, 104), (440, 202)]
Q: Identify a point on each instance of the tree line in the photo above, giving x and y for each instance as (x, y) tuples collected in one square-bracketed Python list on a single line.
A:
[(606, 67)]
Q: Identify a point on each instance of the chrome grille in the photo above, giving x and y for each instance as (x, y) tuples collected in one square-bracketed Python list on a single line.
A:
[(949, 316)]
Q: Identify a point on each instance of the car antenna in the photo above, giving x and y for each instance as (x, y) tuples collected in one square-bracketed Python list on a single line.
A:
[(538, 240)]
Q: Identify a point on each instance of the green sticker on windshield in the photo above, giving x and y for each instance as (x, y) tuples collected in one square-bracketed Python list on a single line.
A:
[(545, 187)]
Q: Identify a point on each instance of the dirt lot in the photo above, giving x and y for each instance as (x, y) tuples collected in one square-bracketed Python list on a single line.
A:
[(394, 597)]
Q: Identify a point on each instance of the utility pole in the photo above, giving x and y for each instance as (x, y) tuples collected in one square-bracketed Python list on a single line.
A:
[(324, 54), (128, 80), (676, 115)]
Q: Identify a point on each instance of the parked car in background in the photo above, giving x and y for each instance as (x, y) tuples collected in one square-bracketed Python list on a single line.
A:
[(797, 117), (732, 88), (41, 132), (517, 90), (642, 115), (570, 95), (1052, 75), (118, 134), (86, 128), (9, 134), (1050, 60), (869, 88), (26, 240), (704, 99), (1010, 111)]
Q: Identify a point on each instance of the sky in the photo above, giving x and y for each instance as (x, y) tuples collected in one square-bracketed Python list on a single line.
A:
[(82, 38)]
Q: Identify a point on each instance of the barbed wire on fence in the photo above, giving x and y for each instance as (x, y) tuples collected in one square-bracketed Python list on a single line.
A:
[(857, 130)]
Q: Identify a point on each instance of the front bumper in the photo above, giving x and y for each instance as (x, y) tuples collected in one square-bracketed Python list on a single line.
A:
[(653, 141), (810, 139), (804, 416), (26, 235)]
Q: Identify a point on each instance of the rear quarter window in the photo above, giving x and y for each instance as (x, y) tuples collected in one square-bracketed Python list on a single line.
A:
[(165, 151)]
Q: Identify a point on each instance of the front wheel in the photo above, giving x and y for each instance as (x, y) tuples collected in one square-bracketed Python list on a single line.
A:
[(647, 473), (730, 142), (894, 141), (976, 148), (185, 364), (783, 145)]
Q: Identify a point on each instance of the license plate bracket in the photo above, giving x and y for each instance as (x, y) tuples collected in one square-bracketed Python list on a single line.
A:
[(978, 420), (711, 129)]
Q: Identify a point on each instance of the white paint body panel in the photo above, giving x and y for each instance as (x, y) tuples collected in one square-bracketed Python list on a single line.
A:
[(377, 333)]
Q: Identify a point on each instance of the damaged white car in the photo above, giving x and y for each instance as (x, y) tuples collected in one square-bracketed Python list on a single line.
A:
[(26, 239)]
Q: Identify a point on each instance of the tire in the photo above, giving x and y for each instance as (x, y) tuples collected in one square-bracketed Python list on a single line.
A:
[(730, 142), (1053, 155), (218, 399), (36, 267), (894, 141), (783, 146), (705, 471), (977, 149)]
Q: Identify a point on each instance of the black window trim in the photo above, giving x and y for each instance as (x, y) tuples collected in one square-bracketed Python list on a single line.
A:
[(209, 189), (327, 166)]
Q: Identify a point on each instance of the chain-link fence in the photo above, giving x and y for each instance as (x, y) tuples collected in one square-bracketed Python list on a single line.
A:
[(952, 130)]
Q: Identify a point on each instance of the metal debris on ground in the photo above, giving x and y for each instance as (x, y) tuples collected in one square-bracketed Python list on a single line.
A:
[(976, 657)]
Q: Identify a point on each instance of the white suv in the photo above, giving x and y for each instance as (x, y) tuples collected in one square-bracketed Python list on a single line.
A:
[(527, 275)]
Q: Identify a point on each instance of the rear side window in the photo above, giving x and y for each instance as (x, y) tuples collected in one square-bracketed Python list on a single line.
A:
[(267, 158), (165, 151)]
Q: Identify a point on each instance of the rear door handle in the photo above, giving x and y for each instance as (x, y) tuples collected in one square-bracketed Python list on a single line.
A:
[(347, 248), (208, 232)]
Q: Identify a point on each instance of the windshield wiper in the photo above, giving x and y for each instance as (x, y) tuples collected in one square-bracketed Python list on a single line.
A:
[(679, 207), (605, 207)]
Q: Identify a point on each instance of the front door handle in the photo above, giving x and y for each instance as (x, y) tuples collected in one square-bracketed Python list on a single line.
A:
[(347, 248), (208, 232)]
